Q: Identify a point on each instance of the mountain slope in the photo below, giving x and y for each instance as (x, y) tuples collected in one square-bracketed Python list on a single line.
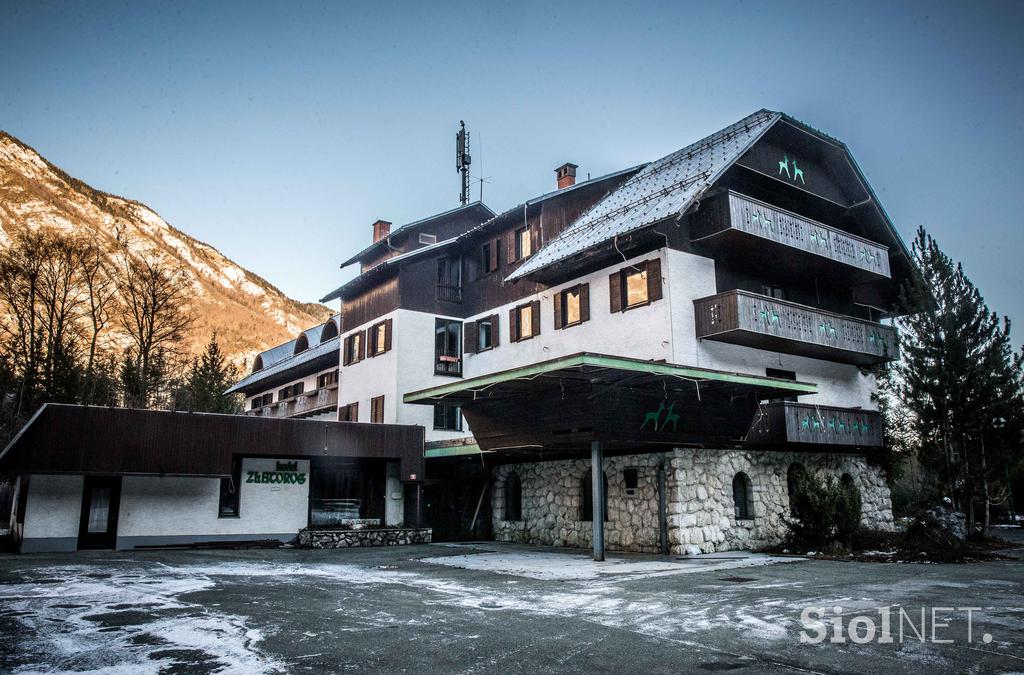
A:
[(248, 313)]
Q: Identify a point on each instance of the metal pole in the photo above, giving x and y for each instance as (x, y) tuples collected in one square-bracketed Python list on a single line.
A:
[(597, 492)]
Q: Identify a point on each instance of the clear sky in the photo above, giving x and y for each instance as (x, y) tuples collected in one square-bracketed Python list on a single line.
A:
[(279, 132)]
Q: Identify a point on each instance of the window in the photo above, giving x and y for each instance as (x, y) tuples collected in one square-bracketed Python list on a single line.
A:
[(291, 391), (257, 402), (523, 243), (782, 375), (377, 410), (513, 497), (428, 239), (587, 497), (524, 321), (481, 334), (379, 336), (261, 401), (489, 256), (631, 478), (349, 413), (635, 286), (447, 347), (572, 306), (230, 488), (742, 497), (773, 291), (794, 476), (327, 379), (447, 417), (355, 350), (449, 279)]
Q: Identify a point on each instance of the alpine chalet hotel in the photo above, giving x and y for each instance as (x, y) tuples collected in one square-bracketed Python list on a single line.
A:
[(697, 329)]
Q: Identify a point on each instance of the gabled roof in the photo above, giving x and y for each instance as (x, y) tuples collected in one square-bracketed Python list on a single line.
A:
[(663, 189), (482, 210), (379, 270)]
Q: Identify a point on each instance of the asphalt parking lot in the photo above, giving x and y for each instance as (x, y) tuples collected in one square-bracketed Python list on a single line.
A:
[(488, 607)]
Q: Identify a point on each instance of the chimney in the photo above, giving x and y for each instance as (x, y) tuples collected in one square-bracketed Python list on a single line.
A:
[(381, 229), (566, 175)]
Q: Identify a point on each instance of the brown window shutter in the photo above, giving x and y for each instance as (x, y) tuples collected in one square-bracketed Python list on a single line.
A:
[(354, 414), (495, 253), (513, 325), (371, 339), (584, 302), (470, 333), (536, 316), (388, 323), (362, 346), (615, 291), (556, 304), (511, 239), (654, 279), (346, 351), (495, 333), (534, 239)]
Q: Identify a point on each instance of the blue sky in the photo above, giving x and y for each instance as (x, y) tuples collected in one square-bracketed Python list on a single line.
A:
[(279, 132)]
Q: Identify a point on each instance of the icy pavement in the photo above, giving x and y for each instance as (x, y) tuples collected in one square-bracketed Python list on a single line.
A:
[(548, 564)]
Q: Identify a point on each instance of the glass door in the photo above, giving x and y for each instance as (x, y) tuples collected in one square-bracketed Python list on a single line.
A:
[(101, 500)]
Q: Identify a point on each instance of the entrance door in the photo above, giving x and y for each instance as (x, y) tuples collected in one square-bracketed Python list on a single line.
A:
[(101, 499)]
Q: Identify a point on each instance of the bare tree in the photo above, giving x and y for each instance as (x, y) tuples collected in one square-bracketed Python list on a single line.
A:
[(21, 269), (101, 301), (156, 317)]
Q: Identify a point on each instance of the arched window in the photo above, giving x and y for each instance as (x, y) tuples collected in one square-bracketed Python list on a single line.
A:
[(301, 344), (513, 497), (742, 497), (257, 363), (587, 497), (330, 331), (794, 475)]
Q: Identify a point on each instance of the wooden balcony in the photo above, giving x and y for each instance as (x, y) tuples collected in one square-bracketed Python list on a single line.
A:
[(305, 404), (777, 238), (744, 318), (785, 423)]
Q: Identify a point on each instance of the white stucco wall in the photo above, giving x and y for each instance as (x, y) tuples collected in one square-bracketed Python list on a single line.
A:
[(154, 508), (53, 513)]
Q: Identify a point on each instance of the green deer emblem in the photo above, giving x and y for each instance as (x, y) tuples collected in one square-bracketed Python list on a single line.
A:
[(827, 329), (672, 417), (798, 173), (768, 316), (784, 166), (653, 417)]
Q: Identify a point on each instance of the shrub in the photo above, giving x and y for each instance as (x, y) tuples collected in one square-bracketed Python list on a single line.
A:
[(824, 513)]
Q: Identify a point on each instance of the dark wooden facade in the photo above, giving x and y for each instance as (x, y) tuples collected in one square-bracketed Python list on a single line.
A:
[(119, 441)]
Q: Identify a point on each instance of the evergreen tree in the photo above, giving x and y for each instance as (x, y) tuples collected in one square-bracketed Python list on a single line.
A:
[(959, 379), (208, 378)]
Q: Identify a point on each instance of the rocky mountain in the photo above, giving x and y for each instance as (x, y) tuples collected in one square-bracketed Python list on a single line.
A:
[(248, 313)]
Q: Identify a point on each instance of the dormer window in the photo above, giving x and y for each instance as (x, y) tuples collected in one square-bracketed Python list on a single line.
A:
[(428, 239)]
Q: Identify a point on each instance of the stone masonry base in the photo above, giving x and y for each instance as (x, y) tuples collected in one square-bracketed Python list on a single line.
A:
[(349, 538), (699, 499)]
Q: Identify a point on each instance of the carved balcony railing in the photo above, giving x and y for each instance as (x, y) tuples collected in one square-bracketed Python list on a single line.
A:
[(744, 318), (307, 403), (785, 423), (738, 216)]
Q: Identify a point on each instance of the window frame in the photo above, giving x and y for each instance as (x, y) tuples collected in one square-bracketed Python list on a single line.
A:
[(377, 409), (560, 303), (457, 420), (447, 371), (351, 413), (380, 331), (354, 348), (234, 501), (742, 498), (447, 268), (328, 379), (618, 290), (522, 239), (516, 321)]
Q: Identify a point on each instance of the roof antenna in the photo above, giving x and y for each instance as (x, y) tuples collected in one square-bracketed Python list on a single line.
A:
[(462, 161)]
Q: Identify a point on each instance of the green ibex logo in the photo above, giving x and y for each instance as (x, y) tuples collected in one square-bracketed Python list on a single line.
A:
[(654, 418), (797, 171)]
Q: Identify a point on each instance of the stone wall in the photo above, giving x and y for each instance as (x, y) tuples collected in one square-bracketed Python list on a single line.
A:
[(349, 538), (699, 499)]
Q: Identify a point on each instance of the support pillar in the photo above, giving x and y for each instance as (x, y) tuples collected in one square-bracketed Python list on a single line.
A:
[(597, 493)]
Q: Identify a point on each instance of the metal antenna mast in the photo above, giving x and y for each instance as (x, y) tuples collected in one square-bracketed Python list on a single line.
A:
[(462, 160)]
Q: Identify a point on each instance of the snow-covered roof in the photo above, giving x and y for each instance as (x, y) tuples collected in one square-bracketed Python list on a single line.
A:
[(288, 363), (662, 189)]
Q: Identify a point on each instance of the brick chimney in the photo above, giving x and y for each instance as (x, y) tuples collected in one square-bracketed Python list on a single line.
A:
[(566, 175), (381, 229)]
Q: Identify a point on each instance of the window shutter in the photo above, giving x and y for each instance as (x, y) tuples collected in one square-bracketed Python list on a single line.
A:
[(534, 239), (535, 315), (470, 335), (346, 351), (513, 325), (387, 334), (615, 291), (654, 279), (362, 346), (511, 238), (495, 253), (556, 302), (354, 412), (584, 302), (494, 331)]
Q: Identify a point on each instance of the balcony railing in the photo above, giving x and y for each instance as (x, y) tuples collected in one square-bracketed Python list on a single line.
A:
[(735, 213), (307, 403), (447, 364), (783, 423), (741, 317), (449, 293)]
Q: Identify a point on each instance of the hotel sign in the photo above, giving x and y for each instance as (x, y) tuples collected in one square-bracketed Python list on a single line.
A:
[(286, 473)]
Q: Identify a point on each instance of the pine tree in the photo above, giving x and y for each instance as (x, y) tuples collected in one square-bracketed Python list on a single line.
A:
[(208, 378), (958, 377)]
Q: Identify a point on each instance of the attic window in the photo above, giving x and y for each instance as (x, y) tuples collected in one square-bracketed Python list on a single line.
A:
[(428, 239)]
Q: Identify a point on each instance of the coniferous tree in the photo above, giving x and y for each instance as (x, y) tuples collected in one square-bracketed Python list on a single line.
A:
[(208, 378), (959, 379)]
